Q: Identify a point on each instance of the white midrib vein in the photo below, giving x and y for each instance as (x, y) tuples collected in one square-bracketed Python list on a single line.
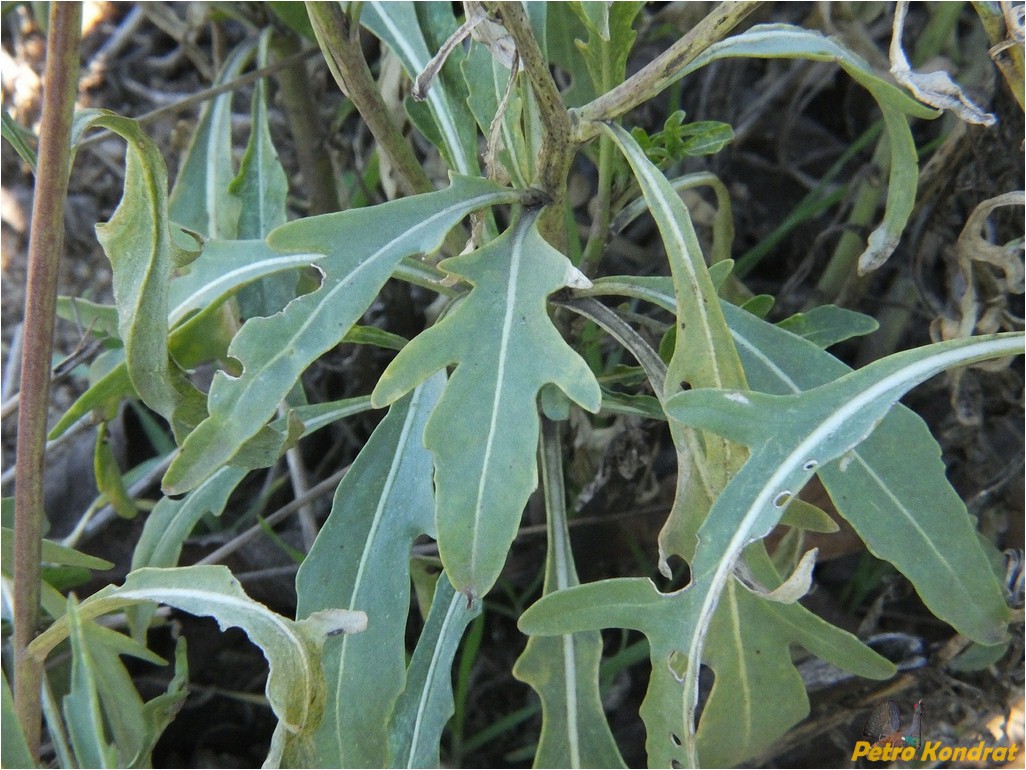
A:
[(425, 694), (434, 97), (250, 379), (230, 279), (561, 548), (517, 252), (661, 210), (913, 373), (386, 491), (247, 606)]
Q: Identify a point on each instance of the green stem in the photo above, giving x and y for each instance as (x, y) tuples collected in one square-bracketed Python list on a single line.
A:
[(663, 70), (600, 225), (339, 38), (45, 244), (557, 151), (840, 270)]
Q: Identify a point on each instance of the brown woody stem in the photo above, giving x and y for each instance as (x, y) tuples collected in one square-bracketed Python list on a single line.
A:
[(46, 238), (339, 38), (557, 150), (663, 70)]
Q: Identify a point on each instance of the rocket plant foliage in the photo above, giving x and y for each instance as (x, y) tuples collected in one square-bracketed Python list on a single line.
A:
[(475, 406)]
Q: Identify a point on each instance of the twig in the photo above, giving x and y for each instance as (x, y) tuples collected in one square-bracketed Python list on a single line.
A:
[(557, 149), (209, 93), (339, 39), (45, 244), (663, 70), (285, 511)]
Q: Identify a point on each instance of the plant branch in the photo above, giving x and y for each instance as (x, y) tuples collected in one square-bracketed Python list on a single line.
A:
[(557, 150), (663, 70), (46, 239), (207, 94), (339, 38), (318, 173)]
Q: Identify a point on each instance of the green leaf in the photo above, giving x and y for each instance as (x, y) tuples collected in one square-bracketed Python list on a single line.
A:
[(53, 553), (704, 355), (791, 437), (786, 41), (360, 560), (109, 481), (82, 708), (397, 25), (14, 750), (757, 693), (484, 431), (200, 199), (100, 320), (158, 713), (294, 16), (222, 268), (610, 39), (487, 79), (563, 29), (360, 249), (827, 325), (426, 704), (295, 684), (139, 244), (916, 520), (19, 138), (564, 670), (261, 188)]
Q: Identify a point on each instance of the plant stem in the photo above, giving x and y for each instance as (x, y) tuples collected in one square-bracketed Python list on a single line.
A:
[(1006, 52), (840, 275), (663, 70), (306, 131), (45, 243), (557, 149), (599, 232), (339, 38)]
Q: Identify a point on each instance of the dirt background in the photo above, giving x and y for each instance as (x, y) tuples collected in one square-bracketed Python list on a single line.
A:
[(793, 121)]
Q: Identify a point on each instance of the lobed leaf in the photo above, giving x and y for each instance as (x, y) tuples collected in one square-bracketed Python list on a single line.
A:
[(143, 255), (357, 250), (564, 670), (484, 431), (790, 438), (199, 200), (916, 521)]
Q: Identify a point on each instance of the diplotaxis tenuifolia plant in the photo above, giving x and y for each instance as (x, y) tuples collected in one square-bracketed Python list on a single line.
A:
[(578, 322)]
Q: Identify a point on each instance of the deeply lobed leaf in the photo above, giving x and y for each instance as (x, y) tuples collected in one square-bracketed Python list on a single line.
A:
[(360, 249), (484, 431)]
